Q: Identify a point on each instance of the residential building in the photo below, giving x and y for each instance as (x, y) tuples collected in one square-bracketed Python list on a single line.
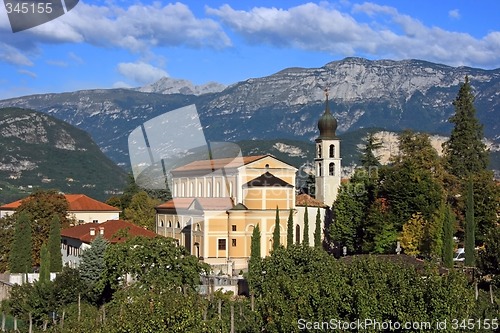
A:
[(76, 239), (81, 208)]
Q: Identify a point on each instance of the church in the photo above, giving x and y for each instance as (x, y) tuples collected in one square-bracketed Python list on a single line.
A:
[(217, 203)]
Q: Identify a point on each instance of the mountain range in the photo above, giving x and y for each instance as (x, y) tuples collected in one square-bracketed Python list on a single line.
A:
[(40, 151), (392, 95)]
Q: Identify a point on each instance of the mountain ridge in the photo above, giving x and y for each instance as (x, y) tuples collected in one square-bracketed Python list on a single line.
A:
[(40, 151), (394, 95)]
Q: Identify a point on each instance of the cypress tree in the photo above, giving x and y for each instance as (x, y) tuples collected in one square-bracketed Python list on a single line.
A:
[(465, 152), (20, 253), (44, 265), (470, 238), (255, 262), (54, 245), (448, 231), (305, 240), (289, 229), (317, 231), (276, 233)]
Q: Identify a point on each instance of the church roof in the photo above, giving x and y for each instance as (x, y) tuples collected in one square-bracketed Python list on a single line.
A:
[(197, 204), (220, 163), (267, 179)]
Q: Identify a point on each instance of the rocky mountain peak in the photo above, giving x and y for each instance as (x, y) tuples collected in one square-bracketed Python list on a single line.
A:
[(167, 85)]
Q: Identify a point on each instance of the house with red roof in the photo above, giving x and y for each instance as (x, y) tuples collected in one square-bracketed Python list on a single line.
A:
[(76, 239), (81, 208)]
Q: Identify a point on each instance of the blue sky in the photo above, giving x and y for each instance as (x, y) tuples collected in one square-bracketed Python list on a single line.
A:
[(122, 43)]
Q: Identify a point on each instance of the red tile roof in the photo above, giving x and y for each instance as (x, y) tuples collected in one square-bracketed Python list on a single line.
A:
[(306, 199), (179, 203), (219, 163), (76, 203), (110, 227)]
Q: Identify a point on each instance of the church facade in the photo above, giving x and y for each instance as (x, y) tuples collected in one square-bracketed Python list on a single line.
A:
[(217, 203)]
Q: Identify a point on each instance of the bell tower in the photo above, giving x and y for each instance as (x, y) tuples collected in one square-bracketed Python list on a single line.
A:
[(327, 161)]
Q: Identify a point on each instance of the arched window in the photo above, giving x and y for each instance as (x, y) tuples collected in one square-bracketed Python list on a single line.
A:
[(319, 150), (319, 170), (200, 190), (192, 194), (178, 225), (297, 234), (331, 169), (162, 223), (332, 150), (169, 224)]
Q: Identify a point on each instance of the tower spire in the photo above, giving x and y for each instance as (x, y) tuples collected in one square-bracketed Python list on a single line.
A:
[(327, 124)]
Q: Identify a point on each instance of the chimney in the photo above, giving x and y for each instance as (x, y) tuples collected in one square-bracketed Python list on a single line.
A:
[(101, 230), (92, 231)]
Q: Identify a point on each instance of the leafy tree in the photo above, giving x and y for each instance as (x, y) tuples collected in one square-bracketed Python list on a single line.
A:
[(489, 256), (470, 238), (67, 286), (276, 233), (368, 158), (54, 245), (465, 152), (413, 235), (154, 263), (20, 254), (92, 267), (317, 231), (289, 229), (7, 226), (41, 207), (305, 240), (448, 232), (141, 210), (380, 235), (44, 265), (348, 215)]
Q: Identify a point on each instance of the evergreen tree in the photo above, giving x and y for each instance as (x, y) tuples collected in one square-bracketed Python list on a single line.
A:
[(92, 266), (289, 229), (368, 158), (465, 152), (448, 231), (54, 245), (20, 253), (305, 240), (255, 262), (470, 238), (276, 233), (44, 265), (317, 231)]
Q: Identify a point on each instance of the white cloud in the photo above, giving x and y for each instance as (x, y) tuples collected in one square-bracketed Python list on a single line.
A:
[(57, 63), (454, 14), (389, 34), (134, 28), (141, 72), (121, 84), (137, 28), (28, 73), (11, 55), (75, 58)]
